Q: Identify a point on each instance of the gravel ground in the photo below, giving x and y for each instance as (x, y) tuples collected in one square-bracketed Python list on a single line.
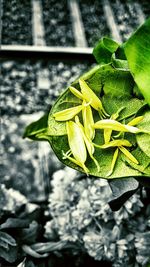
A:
[(57, 22), (126, 17), (16, 22), (93, 20), (19, 88), (145, 7), (23, 163)]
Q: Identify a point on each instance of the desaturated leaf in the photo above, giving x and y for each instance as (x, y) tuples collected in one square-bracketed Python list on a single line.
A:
[(122, 189), (7, 239), (30, 234), (22, 264), (15, 223), (9, 250), (10, 200)]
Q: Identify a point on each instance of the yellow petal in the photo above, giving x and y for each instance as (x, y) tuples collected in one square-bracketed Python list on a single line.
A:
[(115, 143), (76, 141), (115, 156), (116, 115), (88, 122), (115, 125), (82, 165), (67, 114), (88, 143), (107, 135), (89, 95), (76, 92), (128, 155), (135, 121)]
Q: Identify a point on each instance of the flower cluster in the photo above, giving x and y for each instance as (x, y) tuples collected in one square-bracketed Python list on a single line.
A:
[(80, 214), (81, 134)]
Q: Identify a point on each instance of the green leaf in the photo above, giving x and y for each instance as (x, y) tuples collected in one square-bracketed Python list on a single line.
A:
[(36, 127), (130, 106), (143, 159), (104, 49), (137, 50), (143, 140), (119, 83), (120, 63)]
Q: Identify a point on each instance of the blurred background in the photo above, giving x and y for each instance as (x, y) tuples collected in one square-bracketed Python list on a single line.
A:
[(29, 86)]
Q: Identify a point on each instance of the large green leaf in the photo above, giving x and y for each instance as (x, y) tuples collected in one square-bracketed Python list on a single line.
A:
[(104, 158), (117, 94), (137, 50)]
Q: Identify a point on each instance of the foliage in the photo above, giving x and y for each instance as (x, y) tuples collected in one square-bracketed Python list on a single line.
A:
[(110, 89)]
